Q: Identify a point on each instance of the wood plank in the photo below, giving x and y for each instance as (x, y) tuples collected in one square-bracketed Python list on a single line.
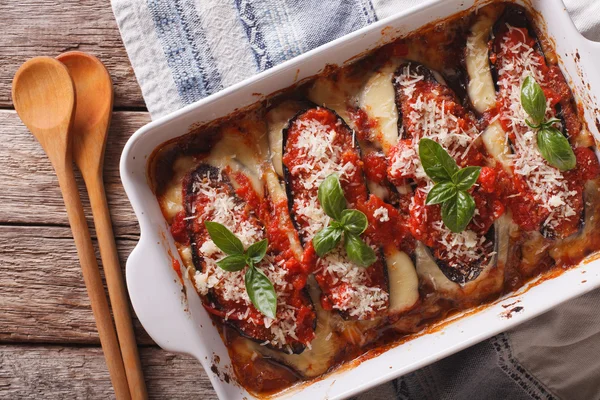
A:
[(48, 27), (43, 295), (57, 372), (30, 193)]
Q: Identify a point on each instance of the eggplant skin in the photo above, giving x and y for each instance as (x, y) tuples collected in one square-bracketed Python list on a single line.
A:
[(469, 272), (212, 173), (456, 275), (414, 68), (286, 172), (515, 16)]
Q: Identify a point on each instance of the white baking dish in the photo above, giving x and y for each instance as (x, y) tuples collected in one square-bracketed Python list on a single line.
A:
[(181, 325)]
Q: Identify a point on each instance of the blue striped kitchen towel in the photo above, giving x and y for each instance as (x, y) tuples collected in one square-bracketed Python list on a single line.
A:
[(184, 50)]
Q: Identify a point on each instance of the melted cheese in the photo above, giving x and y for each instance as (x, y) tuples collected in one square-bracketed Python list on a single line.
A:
[(481, 88), (404, 283), (171, 200), (277, 120), (328, 93), (495, 141), (378, 100), (234, 152)]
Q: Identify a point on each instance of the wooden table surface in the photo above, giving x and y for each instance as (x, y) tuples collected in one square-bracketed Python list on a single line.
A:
[(49, 346)]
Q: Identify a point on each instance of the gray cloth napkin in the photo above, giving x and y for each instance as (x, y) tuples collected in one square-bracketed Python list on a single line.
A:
[(184, 50)]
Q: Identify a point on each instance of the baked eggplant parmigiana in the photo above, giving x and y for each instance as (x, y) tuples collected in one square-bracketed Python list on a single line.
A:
[(335, 219)]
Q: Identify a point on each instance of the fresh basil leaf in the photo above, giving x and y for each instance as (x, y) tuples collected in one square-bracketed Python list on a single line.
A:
[(331, 196), (224, 239), (441, 192), (533, 100), (354, 221), (261, 292), (326, 240), (336, 224), (358, 251), (555, 148), (532, 126), (458, 212), (437, 163), (552, 121), (257, 251), (466, 177), (233, 263)]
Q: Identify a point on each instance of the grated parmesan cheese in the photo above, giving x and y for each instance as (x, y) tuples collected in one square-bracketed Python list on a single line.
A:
[(356, 298), (382, 214)]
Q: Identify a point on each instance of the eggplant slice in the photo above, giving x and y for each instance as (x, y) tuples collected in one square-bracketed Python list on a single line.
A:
[(412, 77), (553, 200), (324, 349), (582, 244), (429, 108), (316, 144), (209, 195), (492, 272)]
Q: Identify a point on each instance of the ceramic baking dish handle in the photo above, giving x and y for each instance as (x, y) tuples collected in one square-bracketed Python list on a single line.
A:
[(166, 313), (157, 297)]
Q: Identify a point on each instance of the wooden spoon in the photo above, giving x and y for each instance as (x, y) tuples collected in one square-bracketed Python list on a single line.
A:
[(94, 93), (44, 97)]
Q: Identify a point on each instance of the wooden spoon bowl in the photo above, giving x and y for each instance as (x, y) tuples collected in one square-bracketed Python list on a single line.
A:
[(44, 97), (93, 111)]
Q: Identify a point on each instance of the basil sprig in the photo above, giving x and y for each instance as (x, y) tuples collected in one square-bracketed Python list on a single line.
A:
[(451, 185), (258, 286), (553, 145), (347, 223)]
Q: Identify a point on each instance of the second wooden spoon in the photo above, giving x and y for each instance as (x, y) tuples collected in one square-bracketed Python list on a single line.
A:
[(93, 87)]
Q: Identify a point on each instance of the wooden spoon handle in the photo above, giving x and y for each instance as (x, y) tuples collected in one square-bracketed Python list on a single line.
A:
[(93, 281), (116, 287)]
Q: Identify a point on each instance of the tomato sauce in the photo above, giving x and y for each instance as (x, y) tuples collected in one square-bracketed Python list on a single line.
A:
[(179, 228), (375, 165), (365, 126), (386, 231)]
